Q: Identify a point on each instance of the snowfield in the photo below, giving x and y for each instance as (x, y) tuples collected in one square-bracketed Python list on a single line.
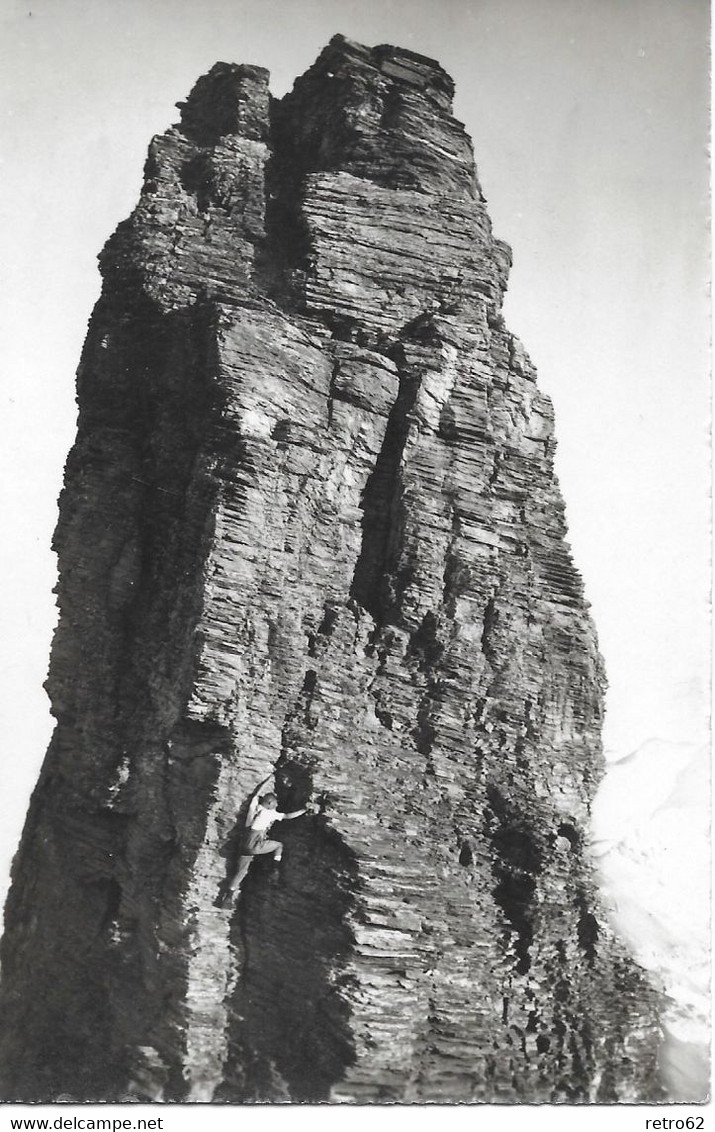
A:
[(650, 839)]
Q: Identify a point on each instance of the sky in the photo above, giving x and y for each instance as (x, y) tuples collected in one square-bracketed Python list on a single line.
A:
[(590, 127)]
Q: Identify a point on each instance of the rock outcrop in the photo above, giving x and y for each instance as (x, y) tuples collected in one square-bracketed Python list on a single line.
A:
[(310, 528)]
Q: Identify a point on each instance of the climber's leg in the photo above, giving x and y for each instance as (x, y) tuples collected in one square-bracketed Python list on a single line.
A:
[(244, 864), (258, 849), (274, 847)]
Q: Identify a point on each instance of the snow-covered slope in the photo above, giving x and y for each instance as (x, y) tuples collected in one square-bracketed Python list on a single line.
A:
[(651, 831)]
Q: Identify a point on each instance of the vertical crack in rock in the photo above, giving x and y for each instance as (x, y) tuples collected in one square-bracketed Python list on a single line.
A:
[(310, 529)]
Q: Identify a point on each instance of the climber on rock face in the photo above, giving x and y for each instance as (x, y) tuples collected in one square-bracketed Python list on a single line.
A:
[(262, 813)]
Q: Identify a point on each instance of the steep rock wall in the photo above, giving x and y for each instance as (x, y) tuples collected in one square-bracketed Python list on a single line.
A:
[(310, 528)]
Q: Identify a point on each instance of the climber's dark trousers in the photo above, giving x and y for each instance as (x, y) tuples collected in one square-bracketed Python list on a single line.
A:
[(244, 862)]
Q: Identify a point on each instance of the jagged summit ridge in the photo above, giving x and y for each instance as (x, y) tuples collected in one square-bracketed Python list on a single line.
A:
[(310, 530)]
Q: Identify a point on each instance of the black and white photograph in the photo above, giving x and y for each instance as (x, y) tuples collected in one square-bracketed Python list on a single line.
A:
[(355, 573)]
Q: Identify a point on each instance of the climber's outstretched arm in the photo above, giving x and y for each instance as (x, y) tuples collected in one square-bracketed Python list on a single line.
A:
[(256, 800)]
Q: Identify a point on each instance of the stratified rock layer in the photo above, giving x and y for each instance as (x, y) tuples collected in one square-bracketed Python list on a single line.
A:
[(310, 527)]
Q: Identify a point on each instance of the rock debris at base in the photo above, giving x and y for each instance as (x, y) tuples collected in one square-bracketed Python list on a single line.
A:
[(310, 527)]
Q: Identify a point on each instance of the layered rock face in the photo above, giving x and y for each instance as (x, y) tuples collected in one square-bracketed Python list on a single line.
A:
[(311, 529)]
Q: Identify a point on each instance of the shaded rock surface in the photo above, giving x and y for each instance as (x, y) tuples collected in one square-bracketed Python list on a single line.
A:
[(310, 528)]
